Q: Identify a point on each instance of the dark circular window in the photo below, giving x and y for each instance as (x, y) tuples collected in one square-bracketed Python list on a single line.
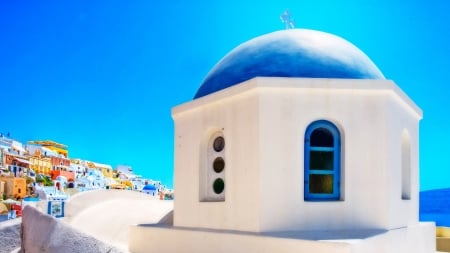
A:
[(218, 164), (219, 144), (218, 186)]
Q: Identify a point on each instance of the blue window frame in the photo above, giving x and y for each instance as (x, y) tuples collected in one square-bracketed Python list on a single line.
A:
[(322, 162)]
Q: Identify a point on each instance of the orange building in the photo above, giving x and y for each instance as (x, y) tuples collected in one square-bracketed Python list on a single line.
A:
[(67, 174), (60, 163), (15, 187), (2, 188)]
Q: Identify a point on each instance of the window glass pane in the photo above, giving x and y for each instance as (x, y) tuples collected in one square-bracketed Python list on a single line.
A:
[(321, 160), (219, 144), (218, 185), (218, 164), (320, 183), (321, 137)]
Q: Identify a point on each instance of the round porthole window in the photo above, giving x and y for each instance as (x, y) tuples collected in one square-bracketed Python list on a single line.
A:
[(218, 164), (218, 185), (219, 144)]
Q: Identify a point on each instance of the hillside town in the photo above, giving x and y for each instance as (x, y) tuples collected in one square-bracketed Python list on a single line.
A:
[(43, 170)]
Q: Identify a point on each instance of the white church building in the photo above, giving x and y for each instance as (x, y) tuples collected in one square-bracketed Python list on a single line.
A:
[(294, 142)]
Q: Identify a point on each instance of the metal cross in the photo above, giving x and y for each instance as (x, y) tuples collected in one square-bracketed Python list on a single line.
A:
[(287, 19)]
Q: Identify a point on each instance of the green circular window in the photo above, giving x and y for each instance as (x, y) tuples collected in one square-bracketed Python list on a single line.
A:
[(218, 164), (219, 144), (218, 185)]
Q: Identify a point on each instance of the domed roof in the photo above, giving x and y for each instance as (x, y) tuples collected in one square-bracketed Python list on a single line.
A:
[(149, 187), (290, 53)]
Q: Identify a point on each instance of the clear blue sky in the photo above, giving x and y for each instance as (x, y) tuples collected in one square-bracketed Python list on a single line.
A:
[(102, 76)]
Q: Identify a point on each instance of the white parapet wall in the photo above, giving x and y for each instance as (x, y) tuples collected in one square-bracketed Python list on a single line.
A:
[(168, 239), (43, 233)]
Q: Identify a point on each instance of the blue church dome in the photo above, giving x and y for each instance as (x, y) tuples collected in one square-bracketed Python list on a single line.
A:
[(149, 187), (290, 53)]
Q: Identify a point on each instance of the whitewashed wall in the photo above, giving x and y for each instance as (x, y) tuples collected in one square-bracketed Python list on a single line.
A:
[(263, 121)]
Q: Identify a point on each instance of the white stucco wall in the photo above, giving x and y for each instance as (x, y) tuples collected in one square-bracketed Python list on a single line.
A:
[(264, 121), (402, 121), (238, 119), (371, 118)]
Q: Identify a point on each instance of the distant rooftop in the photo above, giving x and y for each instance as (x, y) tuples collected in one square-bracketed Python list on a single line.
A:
[(48, 143)]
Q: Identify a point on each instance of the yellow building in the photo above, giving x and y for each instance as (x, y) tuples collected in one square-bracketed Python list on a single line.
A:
[(15, 187), (57, 147), (106, 169), (75, 161), (41, 165)]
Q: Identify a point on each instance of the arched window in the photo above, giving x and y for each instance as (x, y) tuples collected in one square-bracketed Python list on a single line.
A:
[(322, 161)]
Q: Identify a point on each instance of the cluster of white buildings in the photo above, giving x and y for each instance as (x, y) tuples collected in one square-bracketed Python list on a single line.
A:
[(48, 164)]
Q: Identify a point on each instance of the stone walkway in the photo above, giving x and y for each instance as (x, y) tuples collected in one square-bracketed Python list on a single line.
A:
[(10, 235)]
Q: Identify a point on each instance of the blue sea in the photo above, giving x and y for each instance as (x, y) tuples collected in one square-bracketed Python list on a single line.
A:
[(435, 206)]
